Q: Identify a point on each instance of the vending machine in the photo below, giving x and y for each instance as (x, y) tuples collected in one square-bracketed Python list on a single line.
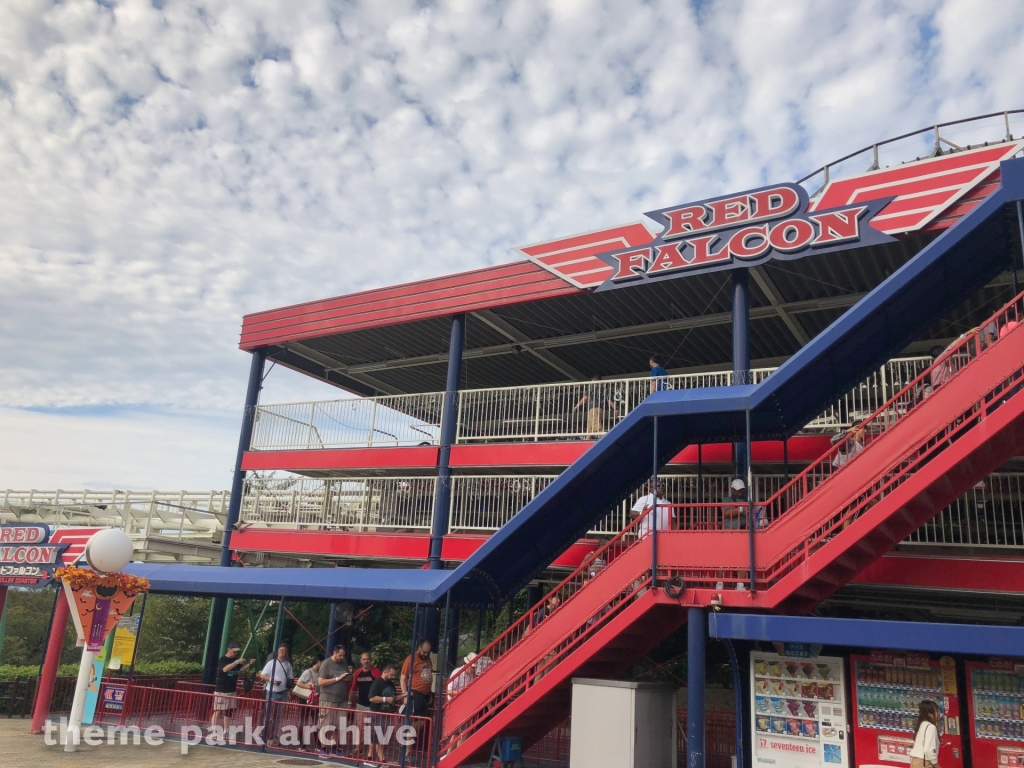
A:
[(887, 689), (995, 703), (799, 710)]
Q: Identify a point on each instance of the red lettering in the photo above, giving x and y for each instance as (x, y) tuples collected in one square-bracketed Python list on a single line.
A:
[(702, 253), (739, 243), (632, 264), (838, 226), (682, 221), (668, 258), (775, 203), (732, 210), (29, 534), (791, 235)]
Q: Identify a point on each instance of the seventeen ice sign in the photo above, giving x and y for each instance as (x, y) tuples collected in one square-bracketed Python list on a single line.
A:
[(799, 710), (742, 231)]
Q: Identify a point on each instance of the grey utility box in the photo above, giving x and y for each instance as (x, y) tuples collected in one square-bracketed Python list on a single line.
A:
[(622, 725)]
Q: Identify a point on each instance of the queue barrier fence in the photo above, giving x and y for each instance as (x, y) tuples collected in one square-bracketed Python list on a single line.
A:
[(290, 727)]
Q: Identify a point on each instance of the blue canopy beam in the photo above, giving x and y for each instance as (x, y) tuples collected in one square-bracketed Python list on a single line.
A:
[(976, 639)]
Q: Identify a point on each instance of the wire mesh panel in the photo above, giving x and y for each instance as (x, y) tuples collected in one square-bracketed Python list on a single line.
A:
[(390, 420), (360, 504)]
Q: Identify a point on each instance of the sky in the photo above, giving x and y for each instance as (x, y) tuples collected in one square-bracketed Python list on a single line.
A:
[(168, 166)]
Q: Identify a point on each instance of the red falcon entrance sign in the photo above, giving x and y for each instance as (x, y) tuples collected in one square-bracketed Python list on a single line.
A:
[(742, 230)]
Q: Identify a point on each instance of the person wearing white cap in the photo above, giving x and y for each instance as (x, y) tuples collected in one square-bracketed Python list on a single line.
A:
[(462, 676), (644, 507), (735, 517)]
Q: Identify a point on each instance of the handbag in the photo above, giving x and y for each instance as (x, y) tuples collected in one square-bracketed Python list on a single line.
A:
[(302, 693), (248, 682)]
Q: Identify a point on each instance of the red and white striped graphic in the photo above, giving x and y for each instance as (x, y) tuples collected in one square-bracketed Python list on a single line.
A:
[(574, 258), (923, 189), (75, 538)]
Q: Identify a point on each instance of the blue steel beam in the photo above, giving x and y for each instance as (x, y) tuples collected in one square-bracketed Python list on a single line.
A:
[(982, 640)]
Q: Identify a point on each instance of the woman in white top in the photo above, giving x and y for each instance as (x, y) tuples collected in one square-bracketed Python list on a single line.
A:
[(925, 753)]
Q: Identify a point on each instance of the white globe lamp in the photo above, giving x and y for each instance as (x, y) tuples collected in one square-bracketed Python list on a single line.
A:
[(109, 550)]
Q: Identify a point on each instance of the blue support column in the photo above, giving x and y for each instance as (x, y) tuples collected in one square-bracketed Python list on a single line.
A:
[(333, 630), (740, 350), (654, 495), (695, 681), (449, 426), (219, 610)]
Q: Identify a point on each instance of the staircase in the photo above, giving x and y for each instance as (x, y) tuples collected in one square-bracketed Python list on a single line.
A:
[(912, 457)]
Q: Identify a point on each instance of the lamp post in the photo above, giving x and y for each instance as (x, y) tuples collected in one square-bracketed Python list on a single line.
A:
[(107, 552)]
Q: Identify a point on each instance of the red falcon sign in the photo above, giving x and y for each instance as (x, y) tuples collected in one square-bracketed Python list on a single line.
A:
[(742, 230), (930, 193)]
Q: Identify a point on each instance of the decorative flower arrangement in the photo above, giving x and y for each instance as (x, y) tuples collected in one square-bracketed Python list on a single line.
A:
[(79, 578)]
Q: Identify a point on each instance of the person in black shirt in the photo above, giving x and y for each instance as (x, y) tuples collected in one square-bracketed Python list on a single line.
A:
[(224, 699), (383, 697), (359, 692)]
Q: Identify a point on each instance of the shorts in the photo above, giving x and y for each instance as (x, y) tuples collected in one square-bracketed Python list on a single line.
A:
[(420, 704), (328, 714), (224, 702), (379, 727), (595, 421)]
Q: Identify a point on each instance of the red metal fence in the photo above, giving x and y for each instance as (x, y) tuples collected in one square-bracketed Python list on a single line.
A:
[(289, 727), (17, 697)]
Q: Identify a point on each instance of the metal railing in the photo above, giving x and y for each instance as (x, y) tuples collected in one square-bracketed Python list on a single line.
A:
[(392, 420), (926, 141), (352, 504), (479, 503), (563, 411), (567, 410), (178, 515), (989, 515)]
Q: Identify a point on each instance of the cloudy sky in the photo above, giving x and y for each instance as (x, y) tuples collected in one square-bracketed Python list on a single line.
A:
[(167, 166)]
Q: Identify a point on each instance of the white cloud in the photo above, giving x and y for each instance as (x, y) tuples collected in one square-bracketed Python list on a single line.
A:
[(167, 167)]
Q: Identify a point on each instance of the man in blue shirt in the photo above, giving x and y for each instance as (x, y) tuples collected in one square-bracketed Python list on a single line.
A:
[(659, 376)]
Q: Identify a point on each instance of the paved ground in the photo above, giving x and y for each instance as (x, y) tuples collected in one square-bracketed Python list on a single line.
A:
[(19, 749)]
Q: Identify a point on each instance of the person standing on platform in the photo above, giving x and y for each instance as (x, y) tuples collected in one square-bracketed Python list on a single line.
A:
[(359, 691), (735, 515), (644, 508), (595, 400), (278, 676), (383, 698), (422, 678), (659, 376), (925, 752), (226, 687), (335, 681)]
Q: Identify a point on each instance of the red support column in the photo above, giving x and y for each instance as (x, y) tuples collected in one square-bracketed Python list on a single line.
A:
[(44, 688)]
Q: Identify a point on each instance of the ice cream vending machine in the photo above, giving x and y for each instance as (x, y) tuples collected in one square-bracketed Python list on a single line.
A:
[(799, 710), (887, 689), (995, 703)]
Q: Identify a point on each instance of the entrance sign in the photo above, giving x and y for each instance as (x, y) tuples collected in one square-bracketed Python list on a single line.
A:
[(27, 558), (742, 230)]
